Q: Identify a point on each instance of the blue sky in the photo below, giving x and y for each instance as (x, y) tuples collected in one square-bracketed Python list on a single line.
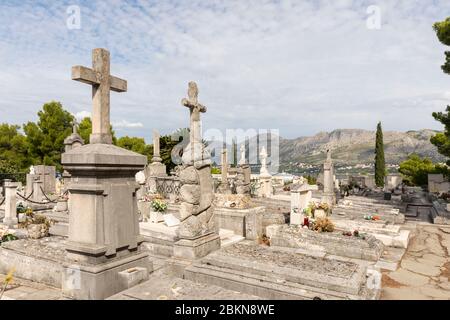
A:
[(298, 66)]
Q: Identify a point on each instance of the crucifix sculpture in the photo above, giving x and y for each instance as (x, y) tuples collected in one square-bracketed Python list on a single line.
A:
[(195, 135), (102, 82)]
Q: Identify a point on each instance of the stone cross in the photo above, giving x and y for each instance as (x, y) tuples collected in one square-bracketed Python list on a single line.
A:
[(263, 159), (102, 82), (75, 126), (195, 109), (328, 155), (156, 147)]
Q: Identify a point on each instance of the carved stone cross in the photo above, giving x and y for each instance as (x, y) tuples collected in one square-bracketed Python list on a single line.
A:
[(75, 126), (195, 109), (102, 82)]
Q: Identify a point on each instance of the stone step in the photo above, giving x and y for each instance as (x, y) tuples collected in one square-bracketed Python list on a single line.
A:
[(225, 233), (359, 215), (274, 274), (231, 240)]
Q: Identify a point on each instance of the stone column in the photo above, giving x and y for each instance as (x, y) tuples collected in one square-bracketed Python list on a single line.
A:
[(224, 186), (329, 196), (10, 218), (38, 195)]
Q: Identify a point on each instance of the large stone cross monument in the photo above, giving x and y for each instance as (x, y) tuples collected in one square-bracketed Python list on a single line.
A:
[(102, 83), (197, 231), (104, 243)]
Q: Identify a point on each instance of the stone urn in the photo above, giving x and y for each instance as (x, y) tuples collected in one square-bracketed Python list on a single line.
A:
[(37, 231), (320, 214)]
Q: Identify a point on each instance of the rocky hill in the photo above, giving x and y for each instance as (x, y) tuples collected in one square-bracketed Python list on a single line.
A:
[(353, 146)]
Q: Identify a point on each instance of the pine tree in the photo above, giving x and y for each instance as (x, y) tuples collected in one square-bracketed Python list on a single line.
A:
[(442, 139), (380, 165)]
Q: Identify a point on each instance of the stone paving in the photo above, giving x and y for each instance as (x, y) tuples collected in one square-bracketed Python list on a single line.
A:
[(424, 272)]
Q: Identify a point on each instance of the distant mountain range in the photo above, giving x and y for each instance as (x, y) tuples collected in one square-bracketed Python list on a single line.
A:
[(354, 146)]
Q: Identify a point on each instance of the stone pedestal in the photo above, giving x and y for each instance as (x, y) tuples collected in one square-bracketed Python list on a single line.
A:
[(191, 249), (10, 218), (104, 235), (38, 195), (301, 196), (156, 169), (265, 188), (329, 196)]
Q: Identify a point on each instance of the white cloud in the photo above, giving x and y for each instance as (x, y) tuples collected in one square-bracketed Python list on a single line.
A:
[(82, 114), (126, 124), (299, 66)]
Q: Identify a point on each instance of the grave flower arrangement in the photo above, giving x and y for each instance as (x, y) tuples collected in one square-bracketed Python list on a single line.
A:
[(313, 207), (159, 205), (323, 225), (7, 235), (37, 225)]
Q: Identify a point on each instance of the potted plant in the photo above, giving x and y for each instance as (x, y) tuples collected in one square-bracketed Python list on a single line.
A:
[(38, 227), (158, 208)]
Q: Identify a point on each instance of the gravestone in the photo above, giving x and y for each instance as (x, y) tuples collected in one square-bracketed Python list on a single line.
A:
[(10, 218), (46, 174), (301, 196), (156, 168), (197, 231), (329, 196), (104, 235), (243, 174)]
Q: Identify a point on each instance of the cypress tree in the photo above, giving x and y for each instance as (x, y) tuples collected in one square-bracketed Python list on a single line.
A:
[(380, 166)]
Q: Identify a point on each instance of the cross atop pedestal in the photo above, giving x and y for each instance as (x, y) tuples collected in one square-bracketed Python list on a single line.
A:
[(102, 82), (195, 109), (75, 126)]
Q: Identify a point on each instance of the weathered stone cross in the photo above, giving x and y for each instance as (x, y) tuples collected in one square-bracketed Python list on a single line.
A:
[(102, 82), (195, 109)]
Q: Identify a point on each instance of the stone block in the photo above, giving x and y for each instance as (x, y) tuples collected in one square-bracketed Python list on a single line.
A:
[(191, 249), (133, 276)]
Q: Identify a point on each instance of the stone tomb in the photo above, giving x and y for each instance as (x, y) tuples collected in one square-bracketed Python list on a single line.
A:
[(277, 274), (326, 243), (46, 174), (239, 214)]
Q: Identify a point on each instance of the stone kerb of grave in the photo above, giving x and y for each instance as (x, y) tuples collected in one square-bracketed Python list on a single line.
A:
[(363, 246), (277, 274)]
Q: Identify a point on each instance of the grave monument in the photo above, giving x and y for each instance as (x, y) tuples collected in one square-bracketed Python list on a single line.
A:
[(104, 241)]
